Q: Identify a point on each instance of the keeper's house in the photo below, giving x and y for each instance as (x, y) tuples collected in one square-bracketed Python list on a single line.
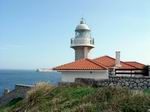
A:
[(99, 68)]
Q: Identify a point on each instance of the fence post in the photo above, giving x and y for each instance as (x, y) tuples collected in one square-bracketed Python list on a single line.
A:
[(148, 70)]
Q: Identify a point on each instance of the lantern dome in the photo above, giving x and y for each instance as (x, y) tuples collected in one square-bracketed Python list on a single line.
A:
[(82, 26)]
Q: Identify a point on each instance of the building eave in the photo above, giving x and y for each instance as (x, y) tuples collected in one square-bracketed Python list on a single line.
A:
[(78, 70)]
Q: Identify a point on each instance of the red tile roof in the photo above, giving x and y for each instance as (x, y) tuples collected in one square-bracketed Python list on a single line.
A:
[(135, 64), (109, 62), (101, 63), (83, 64)]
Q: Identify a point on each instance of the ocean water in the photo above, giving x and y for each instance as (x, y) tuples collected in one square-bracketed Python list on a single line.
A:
[(8, 78)]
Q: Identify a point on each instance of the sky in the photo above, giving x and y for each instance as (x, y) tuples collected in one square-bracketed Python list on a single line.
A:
[(36, 33)]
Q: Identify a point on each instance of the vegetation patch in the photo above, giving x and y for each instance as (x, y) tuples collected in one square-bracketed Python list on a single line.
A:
[(79, 98), (10, 105), (147, 91)]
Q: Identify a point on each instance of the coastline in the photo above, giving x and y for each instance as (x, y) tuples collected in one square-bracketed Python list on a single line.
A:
[(9, 78)]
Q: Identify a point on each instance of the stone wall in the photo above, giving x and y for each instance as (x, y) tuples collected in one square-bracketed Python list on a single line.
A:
[(130, 82), (19, 92)]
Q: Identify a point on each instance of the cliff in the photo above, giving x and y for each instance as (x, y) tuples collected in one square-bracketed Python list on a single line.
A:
[(19, 92)]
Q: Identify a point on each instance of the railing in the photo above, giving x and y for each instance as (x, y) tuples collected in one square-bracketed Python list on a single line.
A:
[(82, 42), (132, 72)]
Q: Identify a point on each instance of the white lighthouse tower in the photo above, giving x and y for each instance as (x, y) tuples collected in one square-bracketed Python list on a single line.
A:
[(83, 42)]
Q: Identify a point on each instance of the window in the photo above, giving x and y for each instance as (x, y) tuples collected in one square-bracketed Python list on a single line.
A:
[(82, 33)]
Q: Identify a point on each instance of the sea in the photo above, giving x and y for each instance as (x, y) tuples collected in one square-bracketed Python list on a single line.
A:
[(8, 78)]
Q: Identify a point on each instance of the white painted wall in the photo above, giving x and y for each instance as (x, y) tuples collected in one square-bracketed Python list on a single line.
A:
[(69, 76)]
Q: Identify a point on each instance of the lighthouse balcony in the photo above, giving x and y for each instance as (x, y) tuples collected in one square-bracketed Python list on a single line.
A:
[(82, 42)]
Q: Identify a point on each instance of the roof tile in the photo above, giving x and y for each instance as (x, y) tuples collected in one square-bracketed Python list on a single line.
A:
[(110, 62), (101, 63), (83, 64), (135, 64)]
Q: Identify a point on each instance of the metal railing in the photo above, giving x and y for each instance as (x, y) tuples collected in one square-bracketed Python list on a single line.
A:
[(82, 41)]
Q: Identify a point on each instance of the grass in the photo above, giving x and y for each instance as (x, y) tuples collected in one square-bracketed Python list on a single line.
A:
[(79, 98), (10, 105), (147, 91)]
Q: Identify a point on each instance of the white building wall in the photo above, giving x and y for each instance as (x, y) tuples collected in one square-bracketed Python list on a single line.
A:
[(70, 76)]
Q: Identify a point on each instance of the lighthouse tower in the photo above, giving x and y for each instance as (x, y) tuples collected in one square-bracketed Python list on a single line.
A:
[(83, 42)]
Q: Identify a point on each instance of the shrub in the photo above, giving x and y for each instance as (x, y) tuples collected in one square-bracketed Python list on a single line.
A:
[(136, 103), (44, 98), (118, 99), (37, 92)]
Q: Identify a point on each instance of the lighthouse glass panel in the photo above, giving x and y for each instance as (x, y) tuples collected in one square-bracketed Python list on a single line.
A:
[(82, 34)]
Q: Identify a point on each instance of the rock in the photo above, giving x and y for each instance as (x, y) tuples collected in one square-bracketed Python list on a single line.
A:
[(148, 110)]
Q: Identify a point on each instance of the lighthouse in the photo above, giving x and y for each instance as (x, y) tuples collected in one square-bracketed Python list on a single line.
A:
[(82, 43), (99, 68)]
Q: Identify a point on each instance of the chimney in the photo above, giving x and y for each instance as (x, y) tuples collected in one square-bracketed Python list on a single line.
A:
[(117, 61)]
